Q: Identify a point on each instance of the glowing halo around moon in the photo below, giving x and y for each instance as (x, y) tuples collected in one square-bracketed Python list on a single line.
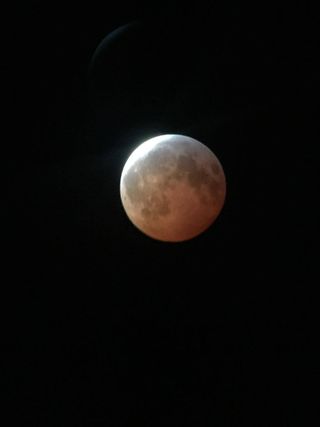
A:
[(172, 187)]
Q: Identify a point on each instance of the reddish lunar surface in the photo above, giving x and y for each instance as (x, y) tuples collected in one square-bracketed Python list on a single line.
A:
[(172, 187)]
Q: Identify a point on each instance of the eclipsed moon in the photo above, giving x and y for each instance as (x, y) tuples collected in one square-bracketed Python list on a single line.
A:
[(172, 187)]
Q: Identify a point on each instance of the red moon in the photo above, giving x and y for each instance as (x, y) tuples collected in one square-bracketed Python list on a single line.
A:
[(172, 187)]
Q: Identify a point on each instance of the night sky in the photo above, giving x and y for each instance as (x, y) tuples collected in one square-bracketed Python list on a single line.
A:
[(104, 326)]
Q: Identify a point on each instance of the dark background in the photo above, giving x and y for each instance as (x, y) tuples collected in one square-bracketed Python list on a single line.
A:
[(104, 326)]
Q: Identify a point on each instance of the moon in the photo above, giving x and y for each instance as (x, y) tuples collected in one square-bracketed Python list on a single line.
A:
[(172, 187)]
